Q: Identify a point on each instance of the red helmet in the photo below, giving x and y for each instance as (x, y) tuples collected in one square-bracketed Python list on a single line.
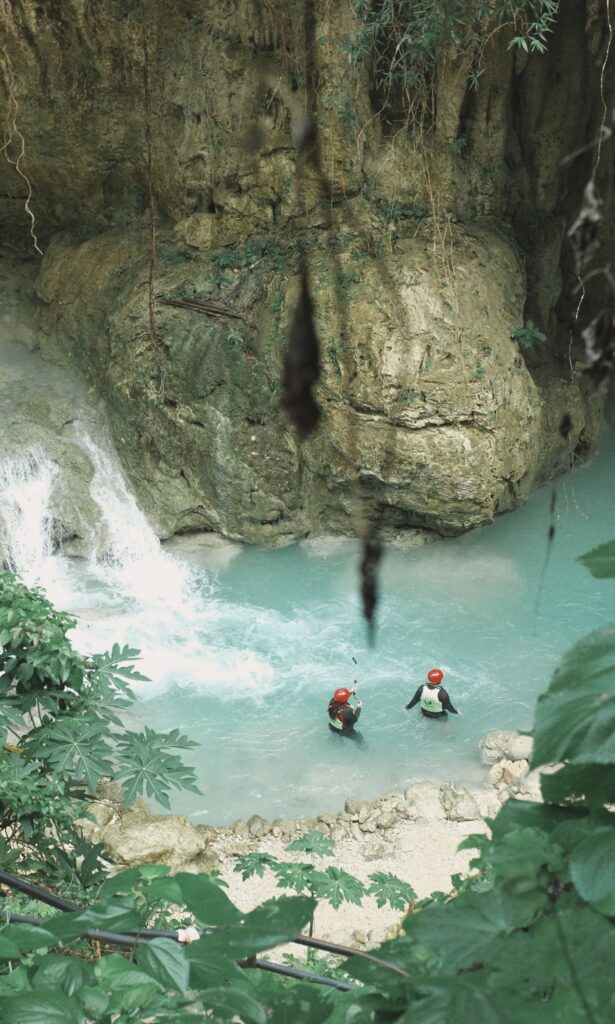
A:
[(341, 695), (435, 675)]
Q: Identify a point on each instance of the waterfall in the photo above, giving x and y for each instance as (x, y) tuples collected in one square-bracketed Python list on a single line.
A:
[(124, 550), (124, 546), (26, 524)]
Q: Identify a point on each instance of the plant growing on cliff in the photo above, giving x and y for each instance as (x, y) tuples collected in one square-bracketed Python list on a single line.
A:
[(528, 335), (405, 43), (60, 713)]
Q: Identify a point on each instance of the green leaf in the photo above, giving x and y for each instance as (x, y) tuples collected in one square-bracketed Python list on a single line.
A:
[(208, 970), (8, 949), (590, 784), (592, 867), (253, 864), (336, 886), (271, 924), (61, 973), (165, 961), (521, 856), (126, 881), (315, 843), (299, 876), (206, 900), (31, 1008), (600, 561), (233, 1003), (575, 719), (463, 931), (387, 888), (114, 970), (28, 936)]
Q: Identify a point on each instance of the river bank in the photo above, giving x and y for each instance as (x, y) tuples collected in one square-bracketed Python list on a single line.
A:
[(413, 834)]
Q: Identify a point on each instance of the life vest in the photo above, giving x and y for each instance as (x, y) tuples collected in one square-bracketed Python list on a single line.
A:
[(336, 718), (430, 700)]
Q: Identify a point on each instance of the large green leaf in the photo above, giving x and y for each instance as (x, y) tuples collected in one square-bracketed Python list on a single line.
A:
[(114, 915), (202, 896), (575, 719), (592, 867), (126, 881), (210, 970), (62, 973), (32, 1008), (233, 1004), (29, 936), (271, 924), (8, 949), (463, 931), (600, 561), (165, 961), (590, 784), (521, 856)]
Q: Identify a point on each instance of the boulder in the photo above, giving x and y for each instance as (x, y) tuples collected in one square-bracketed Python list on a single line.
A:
[(504, 743), (459, 804), (520, 748), (154, 839), (257, 826), (424, 799), (353, 805)]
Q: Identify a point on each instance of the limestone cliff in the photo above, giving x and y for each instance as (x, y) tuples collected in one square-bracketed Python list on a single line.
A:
[(425, 252)]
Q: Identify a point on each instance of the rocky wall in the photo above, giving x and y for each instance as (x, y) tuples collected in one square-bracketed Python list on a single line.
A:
[(424, 255)]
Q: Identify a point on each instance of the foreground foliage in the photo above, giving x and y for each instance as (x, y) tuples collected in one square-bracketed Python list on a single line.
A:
[(60, 715), (527, 940)]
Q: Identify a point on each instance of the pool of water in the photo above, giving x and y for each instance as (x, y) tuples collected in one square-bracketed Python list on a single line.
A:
[(244, 647)]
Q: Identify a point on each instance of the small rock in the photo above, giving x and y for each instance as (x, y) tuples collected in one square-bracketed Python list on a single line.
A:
[(513, 770), (353, 805), (386, 819), (495, 772), (257, 826), (373, 850), (359, 937)]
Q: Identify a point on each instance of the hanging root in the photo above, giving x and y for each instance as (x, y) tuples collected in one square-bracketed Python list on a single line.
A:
[(152, 202), (14, 141)]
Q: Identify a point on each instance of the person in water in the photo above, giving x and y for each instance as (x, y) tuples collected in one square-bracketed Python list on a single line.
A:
[(433, 698), (342, 715)]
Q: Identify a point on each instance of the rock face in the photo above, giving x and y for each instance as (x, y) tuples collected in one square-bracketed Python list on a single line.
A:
[(433, 418)]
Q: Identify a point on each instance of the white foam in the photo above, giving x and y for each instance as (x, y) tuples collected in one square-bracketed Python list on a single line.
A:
[(26, 484)]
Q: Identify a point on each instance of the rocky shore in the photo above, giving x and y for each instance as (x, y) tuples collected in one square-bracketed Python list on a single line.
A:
[(413, 834)]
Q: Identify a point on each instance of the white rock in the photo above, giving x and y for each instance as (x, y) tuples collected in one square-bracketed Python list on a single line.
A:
[(458, 803), (424, 799)]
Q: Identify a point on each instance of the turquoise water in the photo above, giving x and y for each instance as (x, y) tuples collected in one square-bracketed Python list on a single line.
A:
[(245, 646)]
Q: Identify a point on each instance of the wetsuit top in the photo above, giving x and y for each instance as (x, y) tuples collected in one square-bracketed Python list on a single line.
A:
[(342, 716), (430, 696)]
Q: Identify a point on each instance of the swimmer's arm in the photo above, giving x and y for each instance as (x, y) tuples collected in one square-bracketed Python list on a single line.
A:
[(415, 699), (445, 700)]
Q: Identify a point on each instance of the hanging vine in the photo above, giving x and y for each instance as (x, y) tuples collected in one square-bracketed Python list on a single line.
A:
[(151, 200), (14, 145)]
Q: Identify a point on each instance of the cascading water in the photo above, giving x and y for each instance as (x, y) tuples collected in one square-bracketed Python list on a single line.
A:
[(26, 524), (123, 546)]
